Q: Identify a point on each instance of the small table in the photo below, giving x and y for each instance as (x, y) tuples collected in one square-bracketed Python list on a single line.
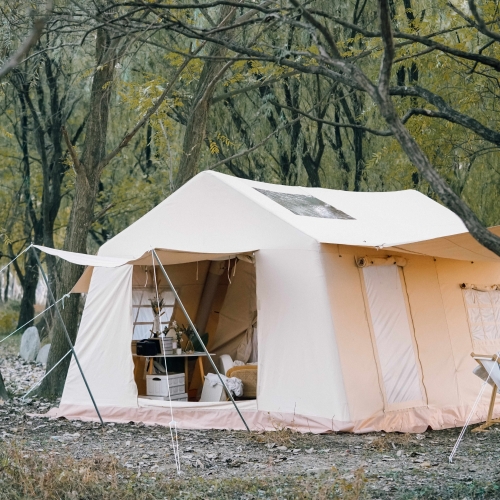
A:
[(185, 355)]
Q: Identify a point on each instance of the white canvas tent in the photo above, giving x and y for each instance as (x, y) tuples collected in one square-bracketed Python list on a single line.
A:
[(361, 321)]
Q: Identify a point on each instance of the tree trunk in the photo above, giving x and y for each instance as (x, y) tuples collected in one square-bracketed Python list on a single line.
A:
[(29, 283), (196, 126), (3, 391), (28, 279), (88, 172), (7, 284), (358, 134)]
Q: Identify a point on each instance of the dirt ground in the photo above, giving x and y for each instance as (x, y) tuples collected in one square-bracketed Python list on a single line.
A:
[(228, 464)]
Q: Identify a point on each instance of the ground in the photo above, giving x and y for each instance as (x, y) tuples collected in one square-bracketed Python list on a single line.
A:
[(49, 459)]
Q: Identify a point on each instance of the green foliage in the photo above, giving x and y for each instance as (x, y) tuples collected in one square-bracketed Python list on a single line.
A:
[(8, 316), (253, 105)]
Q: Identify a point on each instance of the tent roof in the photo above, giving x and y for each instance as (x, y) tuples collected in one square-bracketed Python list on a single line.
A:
[(377, 219), (459, 246), (221, 214)]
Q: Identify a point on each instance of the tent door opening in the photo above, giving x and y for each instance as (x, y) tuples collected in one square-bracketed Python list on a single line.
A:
[(393, 337), (220, 298)]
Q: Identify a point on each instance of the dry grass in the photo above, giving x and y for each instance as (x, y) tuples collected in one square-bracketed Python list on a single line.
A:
[(24, 474), (280, 437), (388, 442), (28, 475)]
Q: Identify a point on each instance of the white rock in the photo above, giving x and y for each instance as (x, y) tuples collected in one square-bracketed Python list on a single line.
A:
[(43, 354), (30, 344)]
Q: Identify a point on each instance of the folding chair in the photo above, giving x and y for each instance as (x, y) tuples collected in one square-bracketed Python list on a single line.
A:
[(488, 365)]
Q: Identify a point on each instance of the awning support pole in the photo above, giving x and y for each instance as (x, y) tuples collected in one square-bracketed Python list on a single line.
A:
[(191, 324), (52, 298)]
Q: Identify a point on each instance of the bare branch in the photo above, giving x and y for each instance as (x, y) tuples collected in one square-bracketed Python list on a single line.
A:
[(248, 88), (414, 56), (426, 40), (424, 112), (129, 135), (79, 168), (480, 58), (257, 146), (383, 133), (447, 112), (477, 22), (326, 34), (33, 37)]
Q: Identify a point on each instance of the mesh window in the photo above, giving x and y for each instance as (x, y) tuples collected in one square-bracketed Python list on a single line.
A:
[(304, 204)]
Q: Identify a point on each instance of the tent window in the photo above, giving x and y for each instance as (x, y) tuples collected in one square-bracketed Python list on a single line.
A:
[(393, 335), (304, 204), (483, 311), (143, 314)]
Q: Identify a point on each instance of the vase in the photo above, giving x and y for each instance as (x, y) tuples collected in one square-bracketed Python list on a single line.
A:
[(174, 344), (178, 350), (156, 324)]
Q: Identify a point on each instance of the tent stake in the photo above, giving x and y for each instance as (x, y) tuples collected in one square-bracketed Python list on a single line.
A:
[(52, 298), (198, 337)]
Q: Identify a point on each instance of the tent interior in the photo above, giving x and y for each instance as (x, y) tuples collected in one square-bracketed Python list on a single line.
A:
[(220, 298)]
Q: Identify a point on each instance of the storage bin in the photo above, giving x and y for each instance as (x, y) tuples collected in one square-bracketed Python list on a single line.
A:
[(157, 385), (177, 397), (164, 345)]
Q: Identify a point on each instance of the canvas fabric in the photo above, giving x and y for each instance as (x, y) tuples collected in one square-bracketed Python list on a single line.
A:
[(333, 348), (393, 335), (103, 343), (237, 315)]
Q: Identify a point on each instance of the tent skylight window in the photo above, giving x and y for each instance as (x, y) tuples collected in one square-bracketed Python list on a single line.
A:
[(306, 205)]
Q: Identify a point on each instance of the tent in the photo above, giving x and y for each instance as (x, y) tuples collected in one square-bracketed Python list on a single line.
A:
[(361, 309)]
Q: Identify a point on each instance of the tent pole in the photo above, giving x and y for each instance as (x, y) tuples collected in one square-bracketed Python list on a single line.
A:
[(52, 298), (191, 324)]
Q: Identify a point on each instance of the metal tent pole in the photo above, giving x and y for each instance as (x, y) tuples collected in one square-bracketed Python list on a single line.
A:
[(49, 291), (198, 337)]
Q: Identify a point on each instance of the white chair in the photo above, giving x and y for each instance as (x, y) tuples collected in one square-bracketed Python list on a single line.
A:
[(226, 363)]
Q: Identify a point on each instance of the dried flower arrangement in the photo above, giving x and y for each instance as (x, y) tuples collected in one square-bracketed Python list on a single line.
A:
[(157, 306)]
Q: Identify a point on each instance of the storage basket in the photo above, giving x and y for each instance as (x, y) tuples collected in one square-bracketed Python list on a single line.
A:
[(157, 385)]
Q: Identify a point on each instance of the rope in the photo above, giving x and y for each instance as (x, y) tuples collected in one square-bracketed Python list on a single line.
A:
[(41, 380), (173, 423), (15, 258), (469, 417), (32, 319)]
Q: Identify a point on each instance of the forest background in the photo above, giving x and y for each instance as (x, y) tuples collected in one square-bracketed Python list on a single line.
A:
[(119, 103)]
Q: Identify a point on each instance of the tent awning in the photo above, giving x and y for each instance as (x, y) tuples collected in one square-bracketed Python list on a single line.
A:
[(83, 259), (459, 246), (166, 256)]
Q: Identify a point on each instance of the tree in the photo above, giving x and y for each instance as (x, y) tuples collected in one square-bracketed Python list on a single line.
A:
[(110, 47), (353, 72), (88, 171), (196, 123), (359, 95), (36, 32), (5, 69)]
